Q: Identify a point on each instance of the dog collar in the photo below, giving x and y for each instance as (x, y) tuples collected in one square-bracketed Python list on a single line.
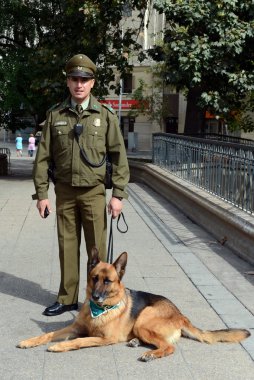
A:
[(97, 311)]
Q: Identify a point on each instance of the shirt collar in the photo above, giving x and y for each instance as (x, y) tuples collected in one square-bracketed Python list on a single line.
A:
[(84, 104)]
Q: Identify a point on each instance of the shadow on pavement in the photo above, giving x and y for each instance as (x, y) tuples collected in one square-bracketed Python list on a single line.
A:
[(45, 327), (25, 289), (21, 167)]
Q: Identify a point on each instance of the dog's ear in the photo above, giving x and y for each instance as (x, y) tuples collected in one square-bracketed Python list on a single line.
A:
[(93, 260), (120, 264)]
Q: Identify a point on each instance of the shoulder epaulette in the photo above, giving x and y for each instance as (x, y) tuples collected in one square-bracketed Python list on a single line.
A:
[(108, 106), (54, 107)]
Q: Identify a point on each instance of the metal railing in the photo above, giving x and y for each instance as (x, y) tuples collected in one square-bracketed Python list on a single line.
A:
[(221, 168), (225, 138)]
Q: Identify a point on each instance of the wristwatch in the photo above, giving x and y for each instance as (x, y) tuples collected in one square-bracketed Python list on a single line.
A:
[(120, 198)]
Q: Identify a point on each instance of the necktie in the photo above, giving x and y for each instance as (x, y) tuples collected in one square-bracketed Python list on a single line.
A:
[(79, 108)]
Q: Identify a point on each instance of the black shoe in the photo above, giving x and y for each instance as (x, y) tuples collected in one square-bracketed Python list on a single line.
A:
[(59, 308)]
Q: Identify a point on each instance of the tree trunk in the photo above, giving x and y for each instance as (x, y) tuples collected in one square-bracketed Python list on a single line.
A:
[(195, 116)]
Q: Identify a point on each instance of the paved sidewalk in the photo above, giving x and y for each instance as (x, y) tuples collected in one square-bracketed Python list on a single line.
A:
[(168, 255)]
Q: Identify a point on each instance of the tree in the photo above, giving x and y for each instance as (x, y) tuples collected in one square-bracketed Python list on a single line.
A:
[(208, 54), (36, 38), (149, 99)]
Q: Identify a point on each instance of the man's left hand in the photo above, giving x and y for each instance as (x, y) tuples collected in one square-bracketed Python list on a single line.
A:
[(115, 207)]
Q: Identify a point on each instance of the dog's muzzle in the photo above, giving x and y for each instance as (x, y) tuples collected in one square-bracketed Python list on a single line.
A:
[(98, 297)]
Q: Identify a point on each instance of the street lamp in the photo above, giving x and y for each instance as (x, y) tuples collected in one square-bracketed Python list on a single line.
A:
[(120, 102)]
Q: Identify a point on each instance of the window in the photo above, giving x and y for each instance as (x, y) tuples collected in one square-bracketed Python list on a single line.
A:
[(127, 84), (127, 11)]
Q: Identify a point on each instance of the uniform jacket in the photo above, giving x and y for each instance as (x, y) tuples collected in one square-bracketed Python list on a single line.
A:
[(101, 134)]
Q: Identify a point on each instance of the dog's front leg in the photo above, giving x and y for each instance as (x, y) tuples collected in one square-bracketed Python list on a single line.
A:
[(75, 344), (65, 333)]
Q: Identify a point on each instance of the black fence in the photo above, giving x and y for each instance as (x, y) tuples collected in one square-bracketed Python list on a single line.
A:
[(225, 169)]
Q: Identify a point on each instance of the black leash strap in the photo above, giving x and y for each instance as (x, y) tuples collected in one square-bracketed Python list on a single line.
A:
[(110, 239), (78, 130)]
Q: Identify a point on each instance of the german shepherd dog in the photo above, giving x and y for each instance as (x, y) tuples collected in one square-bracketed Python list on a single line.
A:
[(112, 313)]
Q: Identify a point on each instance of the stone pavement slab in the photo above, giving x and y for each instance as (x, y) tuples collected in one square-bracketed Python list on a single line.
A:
[(168, 255)]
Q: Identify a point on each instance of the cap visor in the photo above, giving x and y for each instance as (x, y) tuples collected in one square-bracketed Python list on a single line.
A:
[(82, 74)]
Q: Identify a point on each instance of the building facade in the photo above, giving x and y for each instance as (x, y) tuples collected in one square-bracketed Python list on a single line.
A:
[(166, 111)]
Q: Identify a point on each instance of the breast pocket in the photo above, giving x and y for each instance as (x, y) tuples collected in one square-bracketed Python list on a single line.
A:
[(95, 137), (61, 136)]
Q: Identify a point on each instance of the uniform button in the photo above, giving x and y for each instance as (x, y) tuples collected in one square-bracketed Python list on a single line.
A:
[(59, 132)]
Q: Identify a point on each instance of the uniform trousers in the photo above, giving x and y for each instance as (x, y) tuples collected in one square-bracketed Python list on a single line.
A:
[(77, 208)]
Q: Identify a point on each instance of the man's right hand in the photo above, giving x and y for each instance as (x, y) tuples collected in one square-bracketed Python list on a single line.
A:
[(41, 205)]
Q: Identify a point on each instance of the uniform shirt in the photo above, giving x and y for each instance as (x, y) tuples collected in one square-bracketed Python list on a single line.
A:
[(84, 104), (101, 134)]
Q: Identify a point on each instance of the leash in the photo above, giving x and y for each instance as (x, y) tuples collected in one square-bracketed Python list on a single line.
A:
[(110, 239)]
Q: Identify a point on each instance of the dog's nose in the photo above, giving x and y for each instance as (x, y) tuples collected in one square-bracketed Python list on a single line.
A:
[(96, 296)]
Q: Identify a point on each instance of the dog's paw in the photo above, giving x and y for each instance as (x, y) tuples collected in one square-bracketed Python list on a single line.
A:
[(147, 357), (56, 348), (24, 344), (63, 347), (135, 342)]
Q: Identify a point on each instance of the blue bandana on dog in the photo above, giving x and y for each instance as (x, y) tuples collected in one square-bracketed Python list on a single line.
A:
[(96, 310)]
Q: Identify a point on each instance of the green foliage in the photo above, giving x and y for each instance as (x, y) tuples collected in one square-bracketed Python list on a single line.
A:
[(209, 47), (142, 105), (38, 37), (149, 99)]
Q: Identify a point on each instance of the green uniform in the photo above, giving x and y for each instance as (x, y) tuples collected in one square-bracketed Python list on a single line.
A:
[(79, 188)]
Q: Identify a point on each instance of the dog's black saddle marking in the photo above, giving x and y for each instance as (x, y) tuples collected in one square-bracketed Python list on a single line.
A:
[(142, 299)]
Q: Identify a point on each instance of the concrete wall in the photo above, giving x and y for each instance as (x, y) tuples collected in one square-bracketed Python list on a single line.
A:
[(144, 135), (226, 223), (6, 136), (247, 135)]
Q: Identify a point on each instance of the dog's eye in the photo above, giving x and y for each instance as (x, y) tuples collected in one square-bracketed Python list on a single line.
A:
[(107, 281), (95, 279)]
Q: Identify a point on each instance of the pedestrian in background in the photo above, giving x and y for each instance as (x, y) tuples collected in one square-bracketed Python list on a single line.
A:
[(76, 137), (31, 145), (19, 145)]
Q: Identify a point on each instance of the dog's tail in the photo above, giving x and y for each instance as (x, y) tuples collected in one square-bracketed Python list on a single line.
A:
[(226, 336)]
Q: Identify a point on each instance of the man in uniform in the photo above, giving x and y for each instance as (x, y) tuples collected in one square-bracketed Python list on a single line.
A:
[(76, 138)]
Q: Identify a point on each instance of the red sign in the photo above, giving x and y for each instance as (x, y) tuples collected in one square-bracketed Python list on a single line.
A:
[(208, 115), (125, 104)]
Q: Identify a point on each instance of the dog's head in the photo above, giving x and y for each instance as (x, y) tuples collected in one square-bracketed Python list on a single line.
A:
[(104, 286)]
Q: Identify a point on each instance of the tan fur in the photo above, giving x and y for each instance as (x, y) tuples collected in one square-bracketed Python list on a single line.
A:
[(159, 323)]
